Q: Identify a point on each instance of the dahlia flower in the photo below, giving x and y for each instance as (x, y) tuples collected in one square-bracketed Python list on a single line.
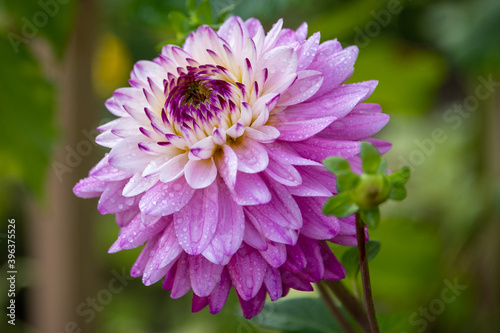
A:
[(215, 162)]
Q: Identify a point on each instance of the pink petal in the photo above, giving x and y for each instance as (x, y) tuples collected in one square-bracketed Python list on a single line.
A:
[(254, 238), (199, 303), (230, 229), (316, 224), (218, 297), (307, 84), (275, 254), (89, 188), (283, 173), (247, 270), (336, 69), (334, 270), (112, 201), (253, 306), (356, 126), (165, 199), (337, 103), (307, 51), (136, 233), (317, 149), (139, 265), (204, 275), (295, 129), (182, 281), (250, 189), (196, 223), (273, 283)]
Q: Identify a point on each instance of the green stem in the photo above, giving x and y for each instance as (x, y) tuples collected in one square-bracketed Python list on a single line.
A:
[(334, 309), (365, 275), (350, 303)]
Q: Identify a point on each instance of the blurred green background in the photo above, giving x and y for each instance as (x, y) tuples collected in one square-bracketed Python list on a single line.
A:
[(438, 67)]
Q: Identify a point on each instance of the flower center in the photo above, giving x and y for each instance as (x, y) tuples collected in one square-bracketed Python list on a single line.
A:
[(198, 98)]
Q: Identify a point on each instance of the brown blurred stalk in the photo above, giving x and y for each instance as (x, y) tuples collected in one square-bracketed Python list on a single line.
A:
[(61, 226)]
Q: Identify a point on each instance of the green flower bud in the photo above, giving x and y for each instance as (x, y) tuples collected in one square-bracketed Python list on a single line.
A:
[(372, 190)]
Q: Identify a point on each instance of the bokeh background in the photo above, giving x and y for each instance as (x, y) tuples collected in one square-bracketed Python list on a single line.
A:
[(438, 67)]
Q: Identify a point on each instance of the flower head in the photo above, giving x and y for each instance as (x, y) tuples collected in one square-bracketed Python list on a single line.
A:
[(215, 162)]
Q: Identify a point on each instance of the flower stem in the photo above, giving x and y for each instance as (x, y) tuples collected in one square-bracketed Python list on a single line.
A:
[(365, 275), (350, 303), (334, 309)]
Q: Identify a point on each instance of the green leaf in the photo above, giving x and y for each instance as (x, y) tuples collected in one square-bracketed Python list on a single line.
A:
[(204, 13), (383, 167), (305, 315), (400, 177), (27, 130), (337, 165), (340, 205), (370, 157), (350, 259), (347, 181), (371, 217), (191, 6), (178, 22), (398, 192)]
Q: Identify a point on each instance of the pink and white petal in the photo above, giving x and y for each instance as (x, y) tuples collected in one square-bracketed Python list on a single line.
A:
[(196, 223), (202, 149), (264, 134), (204, 275), (272, 36), (133, 102), (250, 189), (247, 269), (124, 218), (166, 198), (301, 32), (115, 108), (174, 168), (200, 174), (252, 156), (108, 173), (307, 84), (227, 164), (218, 297), (307, 51), (107, 139), (138, 184), (127, 156)]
